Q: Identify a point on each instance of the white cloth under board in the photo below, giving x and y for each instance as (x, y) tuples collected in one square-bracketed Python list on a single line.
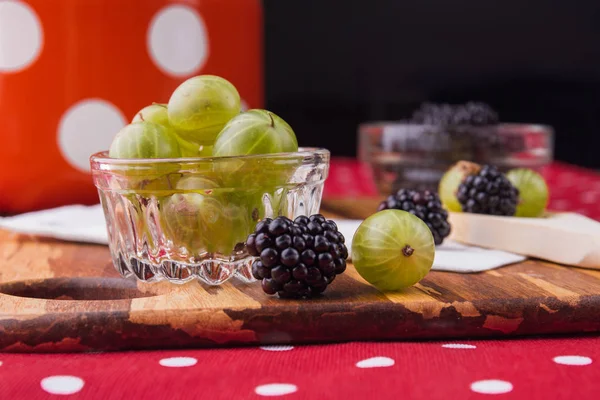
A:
[(86, 224)]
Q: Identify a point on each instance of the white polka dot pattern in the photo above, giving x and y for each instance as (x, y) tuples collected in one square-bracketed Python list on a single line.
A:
[(375, 362), (572, 360), (62, 384), (491, 386), (245, 106), (178, 41), (21, 36), (275, 389), (87, 127), (277, 348), (458, 346), (561, 204), (178, 362), (589, 197)]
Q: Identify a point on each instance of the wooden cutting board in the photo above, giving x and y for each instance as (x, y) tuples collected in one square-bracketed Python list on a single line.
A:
[(57, 296)]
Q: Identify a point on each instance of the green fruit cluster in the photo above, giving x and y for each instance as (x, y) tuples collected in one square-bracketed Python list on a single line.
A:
[(533, 190), (213, 207), (394, 249), (203, 118)]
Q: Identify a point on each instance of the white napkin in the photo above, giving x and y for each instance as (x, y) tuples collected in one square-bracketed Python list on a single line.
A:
[(450, 256), (79, 223), (74, 223)]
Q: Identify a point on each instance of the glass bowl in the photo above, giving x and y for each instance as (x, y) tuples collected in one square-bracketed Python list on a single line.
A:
[(404, 155), (188, 218)]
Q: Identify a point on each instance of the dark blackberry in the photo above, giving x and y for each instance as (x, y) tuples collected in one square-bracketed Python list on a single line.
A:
[(283, 241), (302, 220), (314, 228), (278, 226), (426, 205), (478, 114), (261, 242), (433, 114), (300, 272), (251, 245), (269, 286), (290, 257), (465, 131), (263, 226), (281, 274), (299, 243), (472, 113), (258, 269), (269, 257), (297, 258), (488, 192)]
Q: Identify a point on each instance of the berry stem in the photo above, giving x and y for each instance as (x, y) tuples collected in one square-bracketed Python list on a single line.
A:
[(408, 251), (272, 120)]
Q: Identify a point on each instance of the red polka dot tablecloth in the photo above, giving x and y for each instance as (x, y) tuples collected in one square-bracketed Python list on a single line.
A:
[(528, 368), (571, 188), (510, 369)]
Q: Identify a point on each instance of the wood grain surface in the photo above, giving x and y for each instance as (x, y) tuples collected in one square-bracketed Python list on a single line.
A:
[(58, 296)]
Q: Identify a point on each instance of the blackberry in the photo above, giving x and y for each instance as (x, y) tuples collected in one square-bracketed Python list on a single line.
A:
[(424, 204), (473, 128), (477, 114), (488, 191), (472, 113), (297, 258)]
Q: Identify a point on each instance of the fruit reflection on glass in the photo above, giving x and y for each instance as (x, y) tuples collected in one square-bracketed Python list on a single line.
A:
[(393, 249), (186, 214), (203, 223), (206, 217), (205, 151)]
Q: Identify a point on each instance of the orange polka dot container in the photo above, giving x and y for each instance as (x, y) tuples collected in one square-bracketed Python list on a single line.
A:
[(73, 72)]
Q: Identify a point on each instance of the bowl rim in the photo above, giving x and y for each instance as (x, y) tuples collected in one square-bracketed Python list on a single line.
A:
[(102, 157), (549, 129)]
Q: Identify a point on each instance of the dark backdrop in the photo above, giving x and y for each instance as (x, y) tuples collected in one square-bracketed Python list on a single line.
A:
[(331, 65)]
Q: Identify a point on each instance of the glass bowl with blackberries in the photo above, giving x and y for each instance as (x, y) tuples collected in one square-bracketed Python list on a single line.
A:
[(414, 153)]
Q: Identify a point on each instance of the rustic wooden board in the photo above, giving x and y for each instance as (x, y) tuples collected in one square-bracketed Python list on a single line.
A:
[(57, 296)]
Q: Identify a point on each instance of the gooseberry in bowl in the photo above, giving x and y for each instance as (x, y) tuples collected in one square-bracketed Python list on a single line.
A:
[(145, 140), (255, 132), (193, 224), (201, 106), (185, 183), (158, 114)]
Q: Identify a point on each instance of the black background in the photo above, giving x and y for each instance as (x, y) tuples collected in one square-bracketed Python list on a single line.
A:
[(330, 65)]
